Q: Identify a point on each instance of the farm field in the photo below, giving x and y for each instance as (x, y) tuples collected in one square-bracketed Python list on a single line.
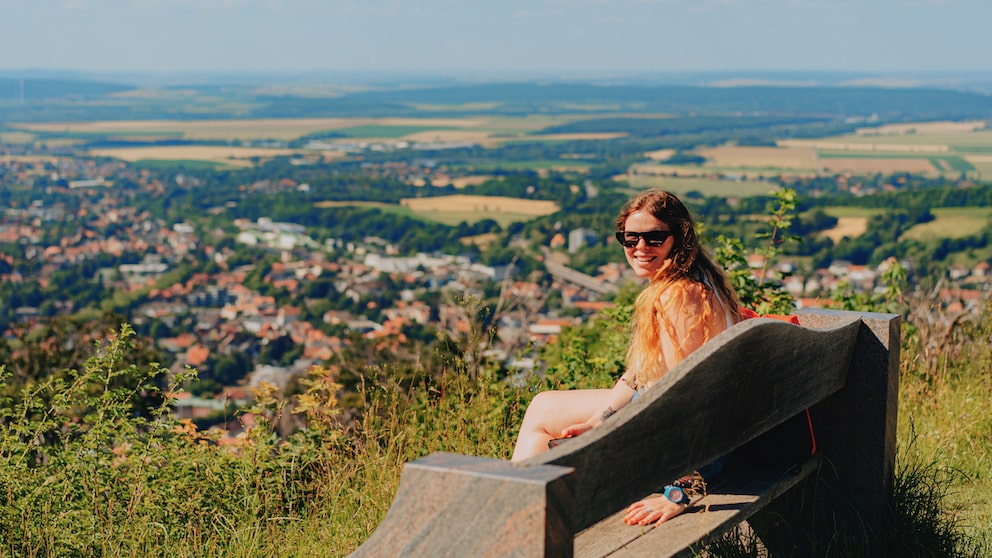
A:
[(923, 147), (878, 165), (220, 155), (288, 129), (456, 209), (453, 210), (931, 148), (795, 158), (485, 131)]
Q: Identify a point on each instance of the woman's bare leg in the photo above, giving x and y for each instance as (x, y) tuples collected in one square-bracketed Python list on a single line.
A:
[(550, 412)]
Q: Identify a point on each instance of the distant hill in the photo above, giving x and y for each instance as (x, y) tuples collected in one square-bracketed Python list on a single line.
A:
[(887, 103), (41, 89), (52, 98)]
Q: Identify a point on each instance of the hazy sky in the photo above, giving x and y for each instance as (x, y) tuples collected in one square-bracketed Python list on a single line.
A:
[(476, 36)]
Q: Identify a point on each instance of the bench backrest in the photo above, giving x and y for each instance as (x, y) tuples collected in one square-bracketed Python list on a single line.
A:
[(741, 384)]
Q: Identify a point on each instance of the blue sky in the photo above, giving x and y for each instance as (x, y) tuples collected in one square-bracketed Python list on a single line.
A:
[(478, 37)]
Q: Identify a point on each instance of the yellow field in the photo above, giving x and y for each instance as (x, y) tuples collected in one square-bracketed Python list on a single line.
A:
[(234, 156), (924, 128), (850, 227), (486, 204)]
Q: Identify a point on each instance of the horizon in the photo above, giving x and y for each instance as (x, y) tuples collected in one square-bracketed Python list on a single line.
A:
[(591, 39), (975, 81)]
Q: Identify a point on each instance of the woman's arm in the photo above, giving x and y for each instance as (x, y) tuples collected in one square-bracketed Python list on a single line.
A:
[(620, 395)]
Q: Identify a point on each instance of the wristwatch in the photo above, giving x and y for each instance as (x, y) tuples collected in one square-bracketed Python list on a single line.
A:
[(676, 495)]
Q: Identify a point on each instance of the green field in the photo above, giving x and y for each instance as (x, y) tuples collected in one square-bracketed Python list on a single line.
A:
[(952, 222), (846, 211)]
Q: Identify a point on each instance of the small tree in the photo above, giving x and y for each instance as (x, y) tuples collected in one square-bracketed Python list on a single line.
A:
[(754, 291)]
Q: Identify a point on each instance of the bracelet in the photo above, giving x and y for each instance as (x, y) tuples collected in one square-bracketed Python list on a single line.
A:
[(609, 412), (631, 383), (693, 484)]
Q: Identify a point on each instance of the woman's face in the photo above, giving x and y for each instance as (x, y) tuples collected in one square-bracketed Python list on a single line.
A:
[(645, 259)]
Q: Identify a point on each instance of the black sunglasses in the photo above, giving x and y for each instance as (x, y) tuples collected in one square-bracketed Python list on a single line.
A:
[(651, 238)]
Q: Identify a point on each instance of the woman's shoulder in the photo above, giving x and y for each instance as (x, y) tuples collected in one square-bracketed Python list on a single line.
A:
[(684, 290)]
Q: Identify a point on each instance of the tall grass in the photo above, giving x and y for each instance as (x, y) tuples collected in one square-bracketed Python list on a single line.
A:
[(945, 418), (87, 471)]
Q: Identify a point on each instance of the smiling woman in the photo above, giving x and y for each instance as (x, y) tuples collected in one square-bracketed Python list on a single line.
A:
[(687, 302)]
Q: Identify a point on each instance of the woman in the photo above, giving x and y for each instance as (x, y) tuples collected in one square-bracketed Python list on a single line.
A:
[(686, 303)]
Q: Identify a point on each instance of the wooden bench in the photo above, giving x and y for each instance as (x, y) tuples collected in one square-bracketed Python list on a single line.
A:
[(747, 381)]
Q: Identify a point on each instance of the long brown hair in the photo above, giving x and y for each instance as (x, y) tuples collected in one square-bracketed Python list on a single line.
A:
[(687, 262)]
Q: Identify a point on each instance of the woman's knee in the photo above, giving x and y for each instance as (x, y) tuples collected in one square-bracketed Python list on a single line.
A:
[(543, 403)]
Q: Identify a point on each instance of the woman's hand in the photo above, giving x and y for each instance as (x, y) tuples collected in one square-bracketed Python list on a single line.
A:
[(576, 429), (656, 509)]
